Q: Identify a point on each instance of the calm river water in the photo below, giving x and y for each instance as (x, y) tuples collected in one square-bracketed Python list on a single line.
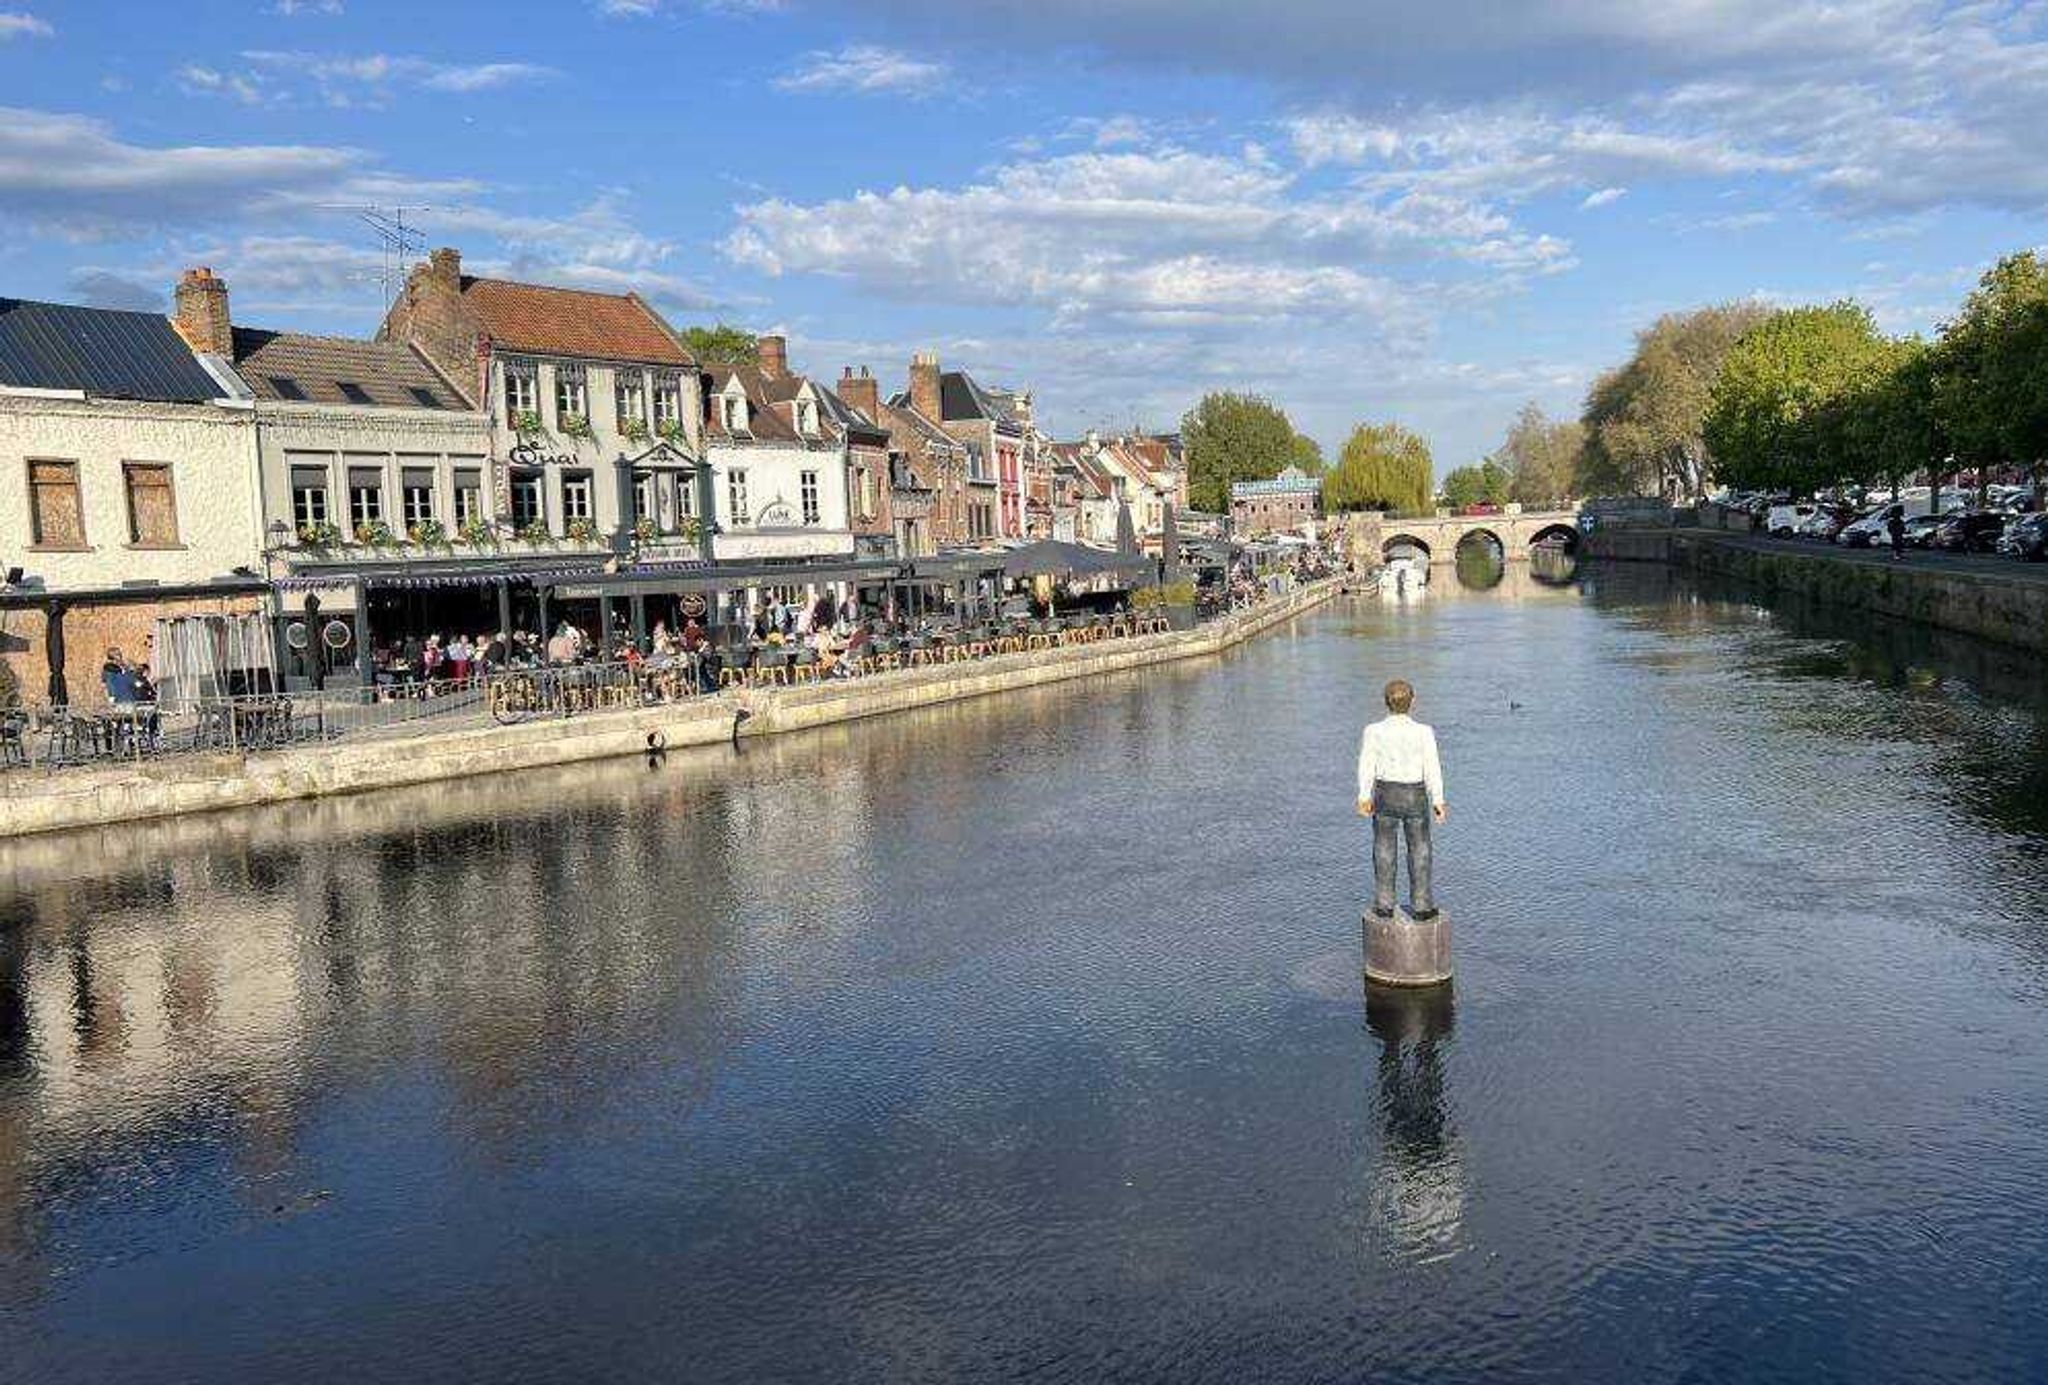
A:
[(1025, 1039)]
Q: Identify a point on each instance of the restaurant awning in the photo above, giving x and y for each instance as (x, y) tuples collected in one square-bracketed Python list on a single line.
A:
[(1051, 557)]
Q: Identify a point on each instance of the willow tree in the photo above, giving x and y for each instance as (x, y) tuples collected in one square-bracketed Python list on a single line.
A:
[(1383, 467), (1645, 419)]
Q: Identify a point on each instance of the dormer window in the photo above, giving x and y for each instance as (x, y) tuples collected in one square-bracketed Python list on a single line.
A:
[(734, 404), (807, 417)]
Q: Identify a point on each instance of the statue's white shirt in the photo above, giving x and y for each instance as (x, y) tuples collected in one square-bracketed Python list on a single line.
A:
[(1400, 750)]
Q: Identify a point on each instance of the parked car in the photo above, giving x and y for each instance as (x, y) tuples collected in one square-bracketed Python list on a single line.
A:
[(1920, 529), (1867, 532), (1974, 531), (1481, 507), (1784, 520), (2026, 538)]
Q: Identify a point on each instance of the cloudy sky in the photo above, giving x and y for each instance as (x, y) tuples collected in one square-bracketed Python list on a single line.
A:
[(1430, 213)]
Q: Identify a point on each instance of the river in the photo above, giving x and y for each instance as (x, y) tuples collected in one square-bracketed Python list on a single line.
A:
[(1024, 1039)]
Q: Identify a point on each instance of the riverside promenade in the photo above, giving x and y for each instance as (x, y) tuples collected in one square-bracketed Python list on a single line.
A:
[(31, 802), (1990, 598)]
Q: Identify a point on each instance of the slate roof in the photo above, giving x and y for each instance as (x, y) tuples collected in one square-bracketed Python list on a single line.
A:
[(961, 398), (933, 435), (102, 351), (294, 367), (571, 322)]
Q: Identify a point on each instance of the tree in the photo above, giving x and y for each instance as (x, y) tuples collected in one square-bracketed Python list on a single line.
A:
[(1383, 467), (1644, 420), (1489, 481), (1540, 456), (1235, 437), (1774, 419), (722, 345), (1990, 375), (1308, 455)]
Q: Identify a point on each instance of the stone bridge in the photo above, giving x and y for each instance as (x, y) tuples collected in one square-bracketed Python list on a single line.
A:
[(1439, 535)]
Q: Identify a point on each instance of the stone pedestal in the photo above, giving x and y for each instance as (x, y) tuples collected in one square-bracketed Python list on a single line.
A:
[(1402, 952)]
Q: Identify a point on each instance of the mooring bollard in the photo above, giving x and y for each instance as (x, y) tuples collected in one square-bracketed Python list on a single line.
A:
[(1402, 951)]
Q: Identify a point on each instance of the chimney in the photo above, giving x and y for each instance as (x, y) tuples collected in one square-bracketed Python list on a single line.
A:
[(771, 353), (445, 265), (924, 386), (202, 313), (430, 313), (862, 392)]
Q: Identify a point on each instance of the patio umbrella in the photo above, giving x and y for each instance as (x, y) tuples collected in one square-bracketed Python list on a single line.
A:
[(1126, 534), (1169, 547)]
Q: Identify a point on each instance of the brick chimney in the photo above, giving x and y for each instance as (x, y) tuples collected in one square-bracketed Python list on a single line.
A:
[(431, 315), (862, 391), (924, 386), (202, 313), (771, 353)]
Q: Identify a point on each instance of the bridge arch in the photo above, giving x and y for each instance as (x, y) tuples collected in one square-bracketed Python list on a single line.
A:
[(1564, 537), (1404, 539)]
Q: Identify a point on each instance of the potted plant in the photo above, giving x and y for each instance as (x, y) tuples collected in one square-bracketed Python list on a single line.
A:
[(535, 531), (645, 529), (527, 423), (377, 534), (575, 426), (583, 530), (671, 431), (1177, 599), (633, 429), (690, 530), (320, 533), (475, 531), (429, 533)]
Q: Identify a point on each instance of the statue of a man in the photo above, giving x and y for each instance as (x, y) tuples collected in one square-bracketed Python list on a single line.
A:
[(1400, 787)]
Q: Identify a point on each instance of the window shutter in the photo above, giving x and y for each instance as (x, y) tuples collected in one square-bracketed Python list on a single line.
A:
[(57, 519), (152, 511)]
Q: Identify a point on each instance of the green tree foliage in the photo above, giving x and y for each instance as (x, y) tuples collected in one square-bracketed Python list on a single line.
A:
[(1990, 371), (1489, 482), (1383, 467), (1237, 437), (1776, 416), (722, 345), (1644, 420), (1541, 457), (1308, 455)]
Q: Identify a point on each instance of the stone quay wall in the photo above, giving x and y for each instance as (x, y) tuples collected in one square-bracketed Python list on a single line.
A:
[(2011, 608), (43, 802)]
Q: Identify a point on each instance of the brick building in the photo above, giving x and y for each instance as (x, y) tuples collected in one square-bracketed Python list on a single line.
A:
[(1287, 502)]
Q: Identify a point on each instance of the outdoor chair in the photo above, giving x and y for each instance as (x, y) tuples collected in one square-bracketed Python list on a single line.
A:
[(13, 739)]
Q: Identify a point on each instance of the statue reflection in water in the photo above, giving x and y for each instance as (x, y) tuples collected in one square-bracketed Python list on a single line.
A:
[(1418, 1196)]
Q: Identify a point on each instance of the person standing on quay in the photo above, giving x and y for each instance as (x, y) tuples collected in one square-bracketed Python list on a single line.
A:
[(1895, 529), (1401, 787)]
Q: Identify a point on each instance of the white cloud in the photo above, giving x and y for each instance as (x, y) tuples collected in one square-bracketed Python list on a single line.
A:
[(14, 25), (344, 80), (867, 69), (1602, 197), (292, 8)]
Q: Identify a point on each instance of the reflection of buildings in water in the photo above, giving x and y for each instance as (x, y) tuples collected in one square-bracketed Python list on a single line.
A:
[(1405, 578), (1419, 1186)]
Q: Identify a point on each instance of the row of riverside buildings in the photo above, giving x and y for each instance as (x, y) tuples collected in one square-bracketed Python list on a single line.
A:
[(495, 448)]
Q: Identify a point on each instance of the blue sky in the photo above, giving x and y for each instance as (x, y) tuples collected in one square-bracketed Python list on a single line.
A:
[(1430, 213)]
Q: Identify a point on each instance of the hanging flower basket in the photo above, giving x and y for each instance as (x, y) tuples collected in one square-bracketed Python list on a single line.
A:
[(582, 531), (535, 531), (319, 534), (645, 529), (475, 531), (377, 534), (633, 430), (527, 424), (429, 533), (575, 426), (672, 431)]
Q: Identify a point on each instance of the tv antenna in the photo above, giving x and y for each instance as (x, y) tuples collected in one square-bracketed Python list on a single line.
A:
[(402, 244)]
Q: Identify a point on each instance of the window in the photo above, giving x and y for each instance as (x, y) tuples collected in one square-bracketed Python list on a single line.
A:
[(469, 496), (56, 518), (570, 396), (152, 507), (576, 502), (735, 413), (807, 492), (686, 496), (416, 495), (647, 489), (668, 401), (286, 387), (352, 392), (522, 392), (736, 496), (629, 394), (870, 499), (806, 417), (365, 498), (423, 396), (309, 497), (529, 498)]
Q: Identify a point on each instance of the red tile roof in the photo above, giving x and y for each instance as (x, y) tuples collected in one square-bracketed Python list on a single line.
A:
[(571, 322)]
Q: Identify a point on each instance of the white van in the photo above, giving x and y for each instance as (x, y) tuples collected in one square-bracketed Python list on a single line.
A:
[(1784, 520)]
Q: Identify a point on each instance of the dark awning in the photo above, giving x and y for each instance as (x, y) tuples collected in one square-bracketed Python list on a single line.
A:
[(1051, 557)]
